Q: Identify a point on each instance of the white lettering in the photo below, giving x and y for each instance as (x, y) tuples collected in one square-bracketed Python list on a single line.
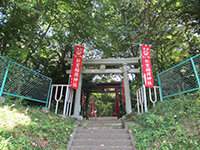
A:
[(75, 84), (78, 60), (77, 69), (76, 74), (77, 65), (76, 79), (148, 69), (147, 65)]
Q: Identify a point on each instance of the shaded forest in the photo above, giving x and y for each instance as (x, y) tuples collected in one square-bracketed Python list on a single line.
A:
[(41, 34)]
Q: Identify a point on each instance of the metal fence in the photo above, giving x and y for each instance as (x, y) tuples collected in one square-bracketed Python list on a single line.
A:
[(147, 97), (61, 98), (19, 81), (182, 78)]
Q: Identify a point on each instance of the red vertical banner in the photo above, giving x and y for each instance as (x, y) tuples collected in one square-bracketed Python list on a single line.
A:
[(76, 67), (146, 66)]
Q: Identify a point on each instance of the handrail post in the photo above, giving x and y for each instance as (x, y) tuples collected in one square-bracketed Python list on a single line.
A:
[(145, 98), (160, 88), (49, 93), (195, 71)]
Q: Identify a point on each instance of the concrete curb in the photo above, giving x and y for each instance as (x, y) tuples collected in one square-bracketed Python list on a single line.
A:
[(71, 139), (132, 138), (127, 126), (81, 123), (45, 109), (2, 99)]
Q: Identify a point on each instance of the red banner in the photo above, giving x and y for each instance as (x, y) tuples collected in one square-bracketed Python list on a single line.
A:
[(76, 67), (146, 66)]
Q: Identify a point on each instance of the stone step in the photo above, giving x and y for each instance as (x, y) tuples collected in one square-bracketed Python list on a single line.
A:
[(81, 142), (101, 131), (101, 148), (103, 118), (104, 127), (105, 121), (102, 136), (109, 125), (115, 126)]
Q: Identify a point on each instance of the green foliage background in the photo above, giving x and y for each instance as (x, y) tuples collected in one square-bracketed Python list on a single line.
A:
[(41, 34)]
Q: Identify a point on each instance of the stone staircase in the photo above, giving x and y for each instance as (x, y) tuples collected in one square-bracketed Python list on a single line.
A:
[(102, 133)]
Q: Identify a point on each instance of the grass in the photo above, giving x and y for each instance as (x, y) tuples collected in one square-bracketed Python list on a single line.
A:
[(173, 124), (27, 127)]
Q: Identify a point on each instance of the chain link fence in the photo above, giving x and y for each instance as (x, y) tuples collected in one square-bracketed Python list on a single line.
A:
[(19, 81), (182, 78)]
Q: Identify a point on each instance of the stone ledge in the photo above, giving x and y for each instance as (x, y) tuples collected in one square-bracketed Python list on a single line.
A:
[(2, 99), (127, 124), (45, 109), (79, 117)]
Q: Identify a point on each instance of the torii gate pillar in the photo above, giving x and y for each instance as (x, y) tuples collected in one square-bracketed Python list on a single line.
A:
[(127, 90), (77, 106)]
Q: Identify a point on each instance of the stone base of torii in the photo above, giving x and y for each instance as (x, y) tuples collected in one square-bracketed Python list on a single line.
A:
[(123, 69)]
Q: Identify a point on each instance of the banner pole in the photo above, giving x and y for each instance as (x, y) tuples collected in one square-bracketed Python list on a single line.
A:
[(68, 87), (143, 86), (71, 66)]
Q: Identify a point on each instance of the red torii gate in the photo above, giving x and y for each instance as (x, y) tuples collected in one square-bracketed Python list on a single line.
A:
[(102, 88)]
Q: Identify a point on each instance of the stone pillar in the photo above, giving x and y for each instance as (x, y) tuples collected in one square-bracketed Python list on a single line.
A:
[(78, 100), (127, 90)]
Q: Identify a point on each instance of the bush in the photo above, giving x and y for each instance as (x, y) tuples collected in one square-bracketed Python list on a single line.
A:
[(172, 124)]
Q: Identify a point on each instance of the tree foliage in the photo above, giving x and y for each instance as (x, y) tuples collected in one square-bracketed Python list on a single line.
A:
[(41, 34)]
